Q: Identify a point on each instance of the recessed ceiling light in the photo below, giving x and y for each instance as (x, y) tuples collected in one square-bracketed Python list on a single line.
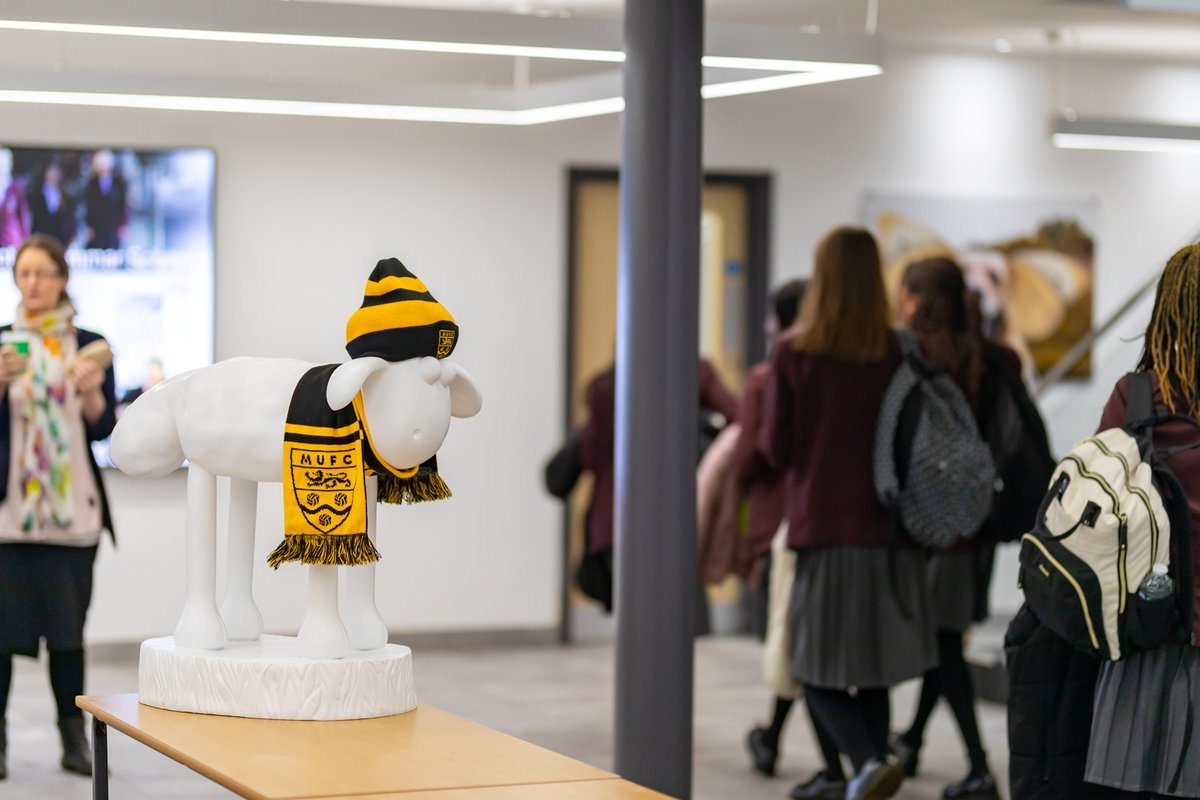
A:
[(1003, 46)]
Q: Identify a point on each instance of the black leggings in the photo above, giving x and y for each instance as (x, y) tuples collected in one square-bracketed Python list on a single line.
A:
[(66, 680), (951, 679), (857, 722)]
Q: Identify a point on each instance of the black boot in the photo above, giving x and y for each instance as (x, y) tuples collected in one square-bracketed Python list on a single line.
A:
[(77, 756)]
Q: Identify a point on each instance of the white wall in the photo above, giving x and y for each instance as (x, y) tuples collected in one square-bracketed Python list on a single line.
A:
[(305, 208)]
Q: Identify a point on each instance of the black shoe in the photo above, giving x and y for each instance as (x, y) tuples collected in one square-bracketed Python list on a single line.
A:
[(906, 755), (763, 752), (982, 787), (77, 756), (821, 787), (875, 781)]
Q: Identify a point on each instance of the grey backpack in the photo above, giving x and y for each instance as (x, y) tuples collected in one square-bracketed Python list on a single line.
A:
[(933, 469)]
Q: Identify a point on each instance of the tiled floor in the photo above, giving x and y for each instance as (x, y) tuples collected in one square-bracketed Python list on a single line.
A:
[(560, 698)]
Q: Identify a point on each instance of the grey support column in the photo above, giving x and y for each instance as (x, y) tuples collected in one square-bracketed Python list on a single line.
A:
[(656, 426)]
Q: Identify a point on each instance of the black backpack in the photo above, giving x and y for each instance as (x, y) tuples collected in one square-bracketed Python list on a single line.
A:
[(1016, 434), (933, 471)]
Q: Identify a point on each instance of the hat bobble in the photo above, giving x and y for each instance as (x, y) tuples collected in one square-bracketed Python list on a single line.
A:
[(399, 319)]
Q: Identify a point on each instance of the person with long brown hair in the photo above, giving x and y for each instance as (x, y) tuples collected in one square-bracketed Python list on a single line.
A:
[(935, 305), (764, 488), (1143, 741), (851, 637)]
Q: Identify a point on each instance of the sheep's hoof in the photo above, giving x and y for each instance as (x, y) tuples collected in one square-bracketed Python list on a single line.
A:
[(365, 629), (322, 637), (243, 622), (200, 629)]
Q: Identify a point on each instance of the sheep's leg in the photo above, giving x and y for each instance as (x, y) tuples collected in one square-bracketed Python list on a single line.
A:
[(243, 622), (364, 626), (321, 634), (200, 624)]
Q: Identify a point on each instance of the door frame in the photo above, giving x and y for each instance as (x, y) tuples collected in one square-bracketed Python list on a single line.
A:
[(758, 186)]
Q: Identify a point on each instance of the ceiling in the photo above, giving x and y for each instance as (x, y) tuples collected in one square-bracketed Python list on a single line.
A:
[(1093, 27), (72, 62)]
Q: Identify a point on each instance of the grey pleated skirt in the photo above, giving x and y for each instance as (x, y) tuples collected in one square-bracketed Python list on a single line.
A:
[(953, 582), (1141, 722), (858, 622)]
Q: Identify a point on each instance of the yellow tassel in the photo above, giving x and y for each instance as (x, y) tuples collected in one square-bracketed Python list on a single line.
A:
[(421, 488), (325, 550)]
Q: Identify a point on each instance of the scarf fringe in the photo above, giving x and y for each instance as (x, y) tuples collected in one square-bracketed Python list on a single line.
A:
[(329, 549), (421, 488)]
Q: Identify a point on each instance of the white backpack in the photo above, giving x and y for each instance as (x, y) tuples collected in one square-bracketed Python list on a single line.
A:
[(1101, 528)]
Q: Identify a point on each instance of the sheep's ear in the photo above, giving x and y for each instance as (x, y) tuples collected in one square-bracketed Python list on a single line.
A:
[(348, 379), (465, 399)]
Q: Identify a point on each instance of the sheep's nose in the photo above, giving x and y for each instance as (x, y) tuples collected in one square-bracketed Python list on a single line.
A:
[(431, 370)]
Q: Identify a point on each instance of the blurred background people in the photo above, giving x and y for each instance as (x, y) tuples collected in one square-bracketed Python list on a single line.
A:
[(764, 487), (154, 376), (105, 200), (57, 395), (935, 305), (596, 456), (861, 611), (52, 208), (14, 206)]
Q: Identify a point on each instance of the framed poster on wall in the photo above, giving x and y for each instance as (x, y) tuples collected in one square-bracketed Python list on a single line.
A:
[(1030, 261), (138, 228)]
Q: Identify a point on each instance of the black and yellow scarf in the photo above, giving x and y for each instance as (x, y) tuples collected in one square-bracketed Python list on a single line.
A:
[(327, 456)]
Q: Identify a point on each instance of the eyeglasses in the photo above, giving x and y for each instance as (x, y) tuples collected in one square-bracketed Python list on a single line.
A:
[(23, 276)]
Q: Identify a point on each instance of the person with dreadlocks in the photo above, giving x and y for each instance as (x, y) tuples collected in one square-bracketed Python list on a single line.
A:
[(1143, 740)]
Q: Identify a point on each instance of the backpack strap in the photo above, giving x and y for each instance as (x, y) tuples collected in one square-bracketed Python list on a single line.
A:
[(909, 346), (1139, 408)]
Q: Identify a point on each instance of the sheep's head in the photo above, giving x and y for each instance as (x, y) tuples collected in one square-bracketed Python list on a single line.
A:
[(408, 404)]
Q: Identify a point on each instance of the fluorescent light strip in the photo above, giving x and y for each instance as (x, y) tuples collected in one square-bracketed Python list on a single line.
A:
[(789, 81), (1146, 144), (476, 116), (243, 37), (298, 108), (773, 64), (797, 73), (408, 45)]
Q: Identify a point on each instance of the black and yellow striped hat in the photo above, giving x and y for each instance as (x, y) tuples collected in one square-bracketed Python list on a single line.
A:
[(399, 319)]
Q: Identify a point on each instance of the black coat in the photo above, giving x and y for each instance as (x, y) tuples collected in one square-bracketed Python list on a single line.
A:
[(1051, 689), (60, 224), (105, 213)]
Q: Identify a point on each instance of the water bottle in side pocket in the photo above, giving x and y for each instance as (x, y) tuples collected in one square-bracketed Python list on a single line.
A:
[(1152, 616)]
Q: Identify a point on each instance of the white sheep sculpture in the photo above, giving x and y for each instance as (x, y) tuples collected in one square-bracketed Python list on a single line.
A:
[(228, 419)]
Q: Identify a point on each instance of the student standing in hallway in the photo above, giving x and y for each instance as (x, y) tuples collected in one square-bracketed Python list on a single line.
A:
[(851, 635)]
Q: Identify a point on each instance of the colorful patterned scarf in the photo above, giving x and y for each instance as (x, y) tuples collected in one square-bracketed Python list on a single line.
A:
[(45, 457)]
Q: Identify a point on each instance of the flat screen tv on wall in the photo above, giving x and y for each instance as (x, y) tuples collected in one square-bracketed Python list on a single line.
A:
[(138, 228)]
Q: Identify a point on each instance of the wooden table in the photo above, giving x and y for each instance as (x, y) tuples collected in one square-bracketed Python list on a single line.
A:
[(426, 754)]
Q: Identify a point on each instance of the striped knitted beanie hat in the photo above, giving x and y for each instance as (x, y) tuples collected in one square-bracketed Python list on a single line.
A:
[(399, 319)]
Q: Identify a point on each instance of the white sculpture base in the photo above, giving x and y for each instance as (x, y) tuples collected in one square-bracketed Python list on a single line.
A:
[(268, 679)]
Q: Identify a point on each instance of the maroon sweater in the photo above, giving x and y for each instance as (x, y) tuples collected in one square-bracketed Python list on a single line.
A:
[(763, 483), (596, 443), (819, 418), (1185, 465)]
